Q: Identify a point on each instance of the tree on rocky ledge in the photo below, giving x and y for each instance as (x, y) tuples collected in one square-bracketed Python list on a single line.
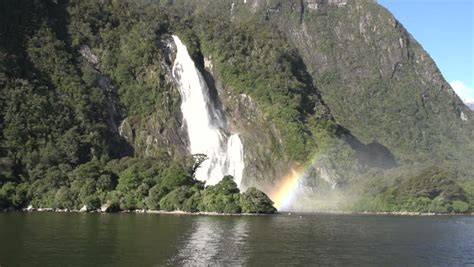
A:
[(255, 201)]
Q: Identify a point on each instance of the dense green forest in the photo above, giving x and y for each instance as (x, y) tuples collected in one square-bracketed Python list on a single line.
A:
[(61, 146), (57, 148)]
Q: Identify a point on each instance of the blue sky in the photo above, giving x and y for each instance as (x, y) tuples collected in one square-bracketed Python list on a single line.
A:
[(445, 29)]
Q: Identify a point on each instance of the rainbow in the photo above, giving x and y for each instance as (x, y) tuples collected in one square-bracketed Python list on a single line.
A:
[(286, 189)]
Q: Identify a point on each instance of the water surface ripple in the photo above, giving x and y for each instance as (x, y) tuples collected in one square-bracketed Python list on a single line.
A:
[(56, 239)]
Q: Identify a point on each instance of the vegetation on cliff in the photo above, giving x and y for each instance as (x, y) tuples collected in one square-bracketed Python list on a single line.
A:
[(73, 72), (428, 189), (131, 184), (58, 147)]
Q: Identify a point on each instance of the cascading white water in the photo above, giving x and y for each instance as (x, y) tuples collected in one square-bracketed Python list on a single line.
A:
[(205, 124), (235, 158)]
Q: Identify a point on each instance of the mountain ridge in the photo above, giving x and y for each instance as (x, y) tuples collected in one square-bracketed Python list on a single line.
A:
[(470, 105)]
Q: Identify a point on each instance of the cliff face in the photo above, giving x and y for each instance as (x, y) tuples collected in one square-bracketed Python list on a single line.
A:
[(264, 159), (389, 100), (339, 87), (366, 72), (377, 80), (163, 131)]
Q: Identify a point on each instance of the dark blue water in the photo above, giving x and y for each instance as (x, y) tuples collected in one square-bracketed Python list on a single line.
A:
[(56, 239)]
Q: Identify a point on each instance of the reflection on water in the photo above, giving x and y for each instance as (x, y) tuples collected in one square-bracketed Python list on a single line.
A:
[(214, 240), (54, 239)]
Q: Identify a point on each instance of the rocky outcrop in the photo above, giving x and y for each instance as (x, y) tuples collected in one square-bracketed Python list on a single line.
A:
[(30, 208), (320, 5), (87, 54), (84, 209), (110, 207)]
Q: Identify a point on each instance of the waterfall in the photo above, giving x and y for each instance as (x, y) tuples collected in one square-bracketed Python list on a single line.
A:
[(205, 123)]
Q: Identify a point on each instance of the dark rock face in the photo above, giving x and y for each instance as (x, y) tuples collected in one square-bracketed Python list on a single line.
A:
[(110, 207), (372, 154)]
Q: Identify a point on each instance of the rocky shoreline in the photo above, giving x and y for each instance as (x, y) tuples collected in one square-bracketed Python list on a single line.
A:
[(138, 211), (288, 213)]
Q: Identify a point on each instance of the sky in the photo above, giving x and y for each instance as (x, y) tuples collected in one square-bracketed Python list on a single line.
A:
[(445, 30)]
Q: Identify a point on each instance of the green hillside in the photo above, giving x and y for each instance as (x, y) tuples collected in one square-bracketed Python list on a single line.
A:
[(90, 112)]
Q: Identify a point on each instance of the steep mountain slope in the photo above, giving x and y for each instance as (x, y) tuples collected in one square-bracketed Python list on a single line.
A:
[(471, 105), (392, 105), (377, 80), (339, 87)]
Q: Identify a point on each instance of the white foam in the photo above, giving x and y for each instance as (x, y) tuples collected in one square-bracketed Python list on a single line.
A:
[(205, 123)]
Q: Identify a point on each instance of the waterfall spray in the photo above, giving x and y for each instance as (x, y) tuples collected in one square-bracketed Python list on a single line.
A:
[(206, 125)]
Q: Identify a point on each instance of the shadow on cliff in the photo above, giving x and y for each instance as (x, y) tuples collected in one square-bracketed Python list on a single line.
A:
[(211, 84), (372, 155)]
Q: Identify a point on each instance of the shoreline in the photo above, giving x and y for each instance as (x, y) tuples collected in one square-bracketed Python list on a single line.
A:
[(139, 211), (278, 213), (381, 213)]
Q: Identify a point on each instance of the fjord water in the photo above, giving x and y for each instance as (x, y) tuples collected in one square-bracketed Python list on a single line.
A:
[(58, 239), (205, 123)]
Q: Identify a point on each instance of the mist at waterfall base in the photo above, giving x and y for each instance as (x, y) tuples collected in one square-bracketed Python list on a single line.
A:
[(290, 194), (205, 123), (208, 134)]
